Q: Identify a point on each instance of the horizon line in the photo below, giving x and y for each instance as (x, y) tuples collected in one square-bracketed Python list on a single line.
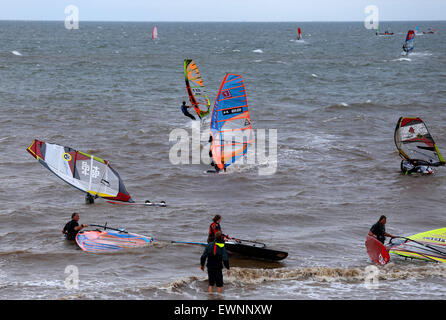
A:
[(216, 21)]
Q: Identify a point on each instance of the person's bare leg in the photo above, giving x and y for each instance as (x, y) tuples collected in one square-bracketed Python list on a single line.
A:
[(210, 289), (219, 289)]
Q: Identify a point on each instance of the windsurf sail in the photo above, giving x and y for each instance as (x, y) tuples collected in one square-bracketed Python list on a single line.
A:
[(196, 89), (376, 251), (97, 241), (81, 170), (231, 129), (299, 34), (430, 246), (414, 142), (155, 33), (410, 41)]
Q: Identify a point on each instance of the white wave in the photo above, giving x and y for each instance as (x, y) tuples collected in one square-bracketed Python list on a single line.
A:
[(236, 50), (314, 75), (402, 59), (421, 54), (16, 53), (257, 60), (258, 51)]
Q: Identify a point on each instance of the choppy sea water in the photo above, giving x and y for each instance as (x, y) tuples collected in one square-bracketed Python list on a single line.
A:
[(334, 99)]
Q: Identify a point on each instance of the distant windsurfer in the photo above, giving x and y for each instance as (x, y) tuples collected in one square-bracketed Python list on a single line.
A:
[(405, 49), (378, 230), (186, 112), (216, 256), (414, 166), (72, 228)]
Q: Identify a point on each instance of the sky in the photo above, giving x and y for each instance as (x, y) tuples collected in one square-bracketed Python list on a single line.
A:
[(223, 10)]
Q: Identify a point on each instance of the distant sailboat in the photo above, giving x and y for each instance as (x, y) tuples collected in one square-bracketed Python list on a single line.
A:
[(155, 33), (299, 34)]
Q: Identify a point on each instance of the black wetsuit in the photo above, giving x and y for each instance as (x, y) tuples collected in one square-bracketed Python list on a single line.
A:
[(379, 230), (216, 256), (186, 113), (70, 233)]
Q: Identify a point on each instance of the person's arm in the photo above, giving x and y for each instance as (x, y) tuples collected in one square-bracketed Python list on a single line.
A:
[(78, 228), (390, 236)]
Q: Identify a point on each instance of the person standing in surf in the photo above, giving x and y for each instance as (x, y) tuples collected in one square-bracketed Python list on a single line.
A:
[(216, 256), (214, 228), (378, 230), (186, 112), (72, 228)]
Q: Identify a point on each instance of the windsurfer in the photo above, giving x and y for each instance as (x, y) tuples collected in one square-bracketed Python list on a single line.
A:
[(72, 228), (405, 48), (89, 199), (186, 112), (378, 230), (414, 166), (216, 255), (217, 169)]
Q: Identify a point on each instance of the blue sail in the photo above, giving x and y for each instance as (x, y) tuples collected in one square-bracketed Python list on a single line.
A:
[(230, 123)]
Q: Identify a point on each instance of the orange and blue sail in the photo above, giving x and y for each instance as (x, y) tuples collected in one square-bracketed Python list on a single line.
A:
[(110, 241), (231, 129)]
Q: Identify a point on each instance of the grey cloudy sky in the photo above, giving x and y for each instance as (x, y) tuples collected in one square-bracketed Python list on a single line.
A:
[(223, 10)]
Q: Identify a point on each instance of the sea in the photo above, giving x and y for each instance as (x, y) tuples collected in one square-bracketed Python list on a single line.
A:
[(327, 106)]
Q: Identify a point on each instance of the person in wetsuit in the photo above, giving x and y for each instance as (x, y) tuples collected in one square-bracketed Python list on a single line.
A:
[(72, 228), (213, 164), (216, 256), (378, 230), (186, 112), (214, 228), (414, 166)]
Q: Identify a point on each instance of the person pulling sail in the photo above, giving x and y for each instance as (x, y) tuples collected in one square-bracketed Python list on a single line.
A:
[(378, 230), (217, 169), (414, 166), (71, 229), (186, 112)]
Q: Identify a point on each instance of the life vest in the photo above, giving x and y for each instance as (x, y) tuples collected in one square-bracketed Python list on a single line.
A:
[(213, 229), (221, 245)]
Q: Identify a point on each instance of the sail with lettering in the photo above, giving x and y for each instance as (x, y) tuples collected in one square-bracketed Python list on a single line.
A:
[(81, 170), (196, 89), (231, 129)]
